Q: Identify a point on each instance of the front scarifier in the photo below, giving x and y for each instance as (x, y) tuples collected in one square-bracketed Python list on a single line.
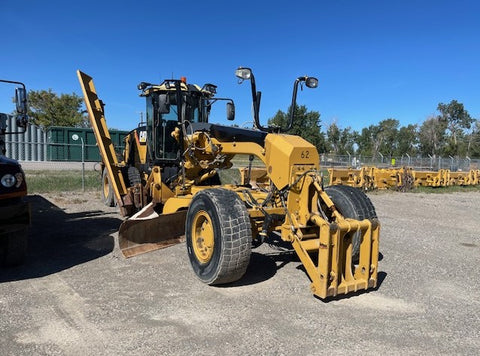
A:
[(332, 237), (346, 248)]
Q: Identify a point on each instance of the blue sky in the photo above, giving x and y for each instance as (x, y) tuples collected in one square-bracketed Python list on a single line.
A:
[(374, 59)]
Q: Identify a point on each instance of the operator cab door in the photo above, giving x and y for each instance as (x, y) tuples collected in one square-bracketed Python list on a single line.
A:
[(163, 118), (161, 124)]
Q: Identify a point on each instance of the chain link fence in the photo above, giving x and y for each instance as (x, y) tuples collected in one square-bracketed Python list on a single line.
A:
[(454, 164)]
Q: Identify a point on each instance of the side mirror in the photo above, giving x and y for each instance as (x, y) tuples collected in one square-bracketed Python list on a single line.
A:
[(163, 104), (21, 100), (230, 111), (243, 73), (21, 106), (310, 82)]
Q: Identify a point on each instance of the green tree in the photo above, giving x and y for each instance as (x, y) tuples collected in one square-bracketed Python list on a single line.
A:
[(364, 140), (431, 136), (305, 124), (47, 109), (340, 141), (379, 139), (333, 138), (407, 140), (456, 119), (473, 141), (387, 136), (347, 141)]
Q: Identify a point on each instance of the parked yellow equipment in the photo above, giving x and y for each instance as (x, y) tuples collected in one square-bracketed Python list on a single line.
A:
[(402, 179), (369, 178), (168, 185), (430, 178)]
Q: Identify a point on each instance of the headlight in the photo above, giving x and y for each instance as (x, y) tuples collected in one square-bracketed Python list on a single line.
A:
[(8, 180), (243, 73)]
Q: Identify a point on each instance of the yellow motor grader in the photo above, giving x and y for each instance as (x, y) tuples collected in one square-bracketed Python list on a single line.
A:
[(167, 185)]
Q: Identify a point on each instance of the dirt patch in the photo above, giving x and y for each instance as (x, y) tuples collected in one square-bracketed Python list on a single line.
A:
[(74, 296)]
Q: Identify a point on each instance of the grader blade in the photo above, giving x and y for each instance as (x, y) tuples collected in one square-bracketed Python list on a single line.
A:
[(148, 231)]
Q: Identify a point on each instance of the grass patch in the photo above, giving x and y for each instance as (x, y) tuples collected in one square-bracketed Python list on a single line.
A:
[(242, 160), (449, 189), (61, 181)]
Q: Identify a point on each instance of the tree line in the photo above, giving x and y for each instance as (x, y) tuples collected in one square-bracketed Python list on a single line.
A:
[(449, 132)]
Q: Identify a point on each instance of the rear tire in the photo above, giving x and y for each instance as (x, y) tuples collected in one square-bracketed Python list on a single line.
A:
[(219, 236), (107, 191), (133, 176), (352, 203)]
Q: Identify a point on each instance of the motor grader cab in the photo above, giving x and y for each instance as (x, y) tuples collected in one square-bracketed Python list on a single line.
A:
[(174, 111), (169, 182)]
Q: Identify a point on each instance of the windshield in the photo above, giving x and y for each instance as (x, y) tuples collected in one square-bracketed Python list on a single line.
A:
[(194, 110), (194, 106)]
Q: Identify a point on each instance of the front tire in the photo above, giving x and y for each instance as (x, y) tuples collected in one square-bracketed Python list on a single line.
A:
[(219, 236)]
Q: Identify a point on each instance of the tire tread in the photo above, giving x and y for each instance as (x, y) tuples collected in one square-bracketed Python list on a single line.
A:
[(360, 205), (236, 234)]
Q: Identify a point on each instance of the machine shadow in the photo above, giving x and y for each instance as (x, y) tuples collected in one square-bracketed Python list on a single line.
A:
[(264, 266), (58, 240)]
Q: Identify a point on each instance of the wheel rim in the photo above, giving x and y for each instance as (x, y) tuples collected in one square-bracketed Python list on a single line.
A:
[(106, 186), (202, 237)]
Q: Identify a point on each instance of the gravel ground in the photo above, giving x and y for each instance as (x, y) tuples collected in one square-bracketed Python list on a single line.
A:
[(74, 296)]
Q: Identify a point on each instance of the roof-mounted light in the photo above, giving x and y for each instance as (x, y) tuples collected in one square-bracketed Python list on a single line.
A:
[(143, 85), (212, 88), (311, 82)]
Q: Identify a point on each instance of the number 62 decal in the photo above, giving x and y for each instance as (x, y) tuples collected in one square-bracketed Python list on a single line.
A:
[(305, 154)]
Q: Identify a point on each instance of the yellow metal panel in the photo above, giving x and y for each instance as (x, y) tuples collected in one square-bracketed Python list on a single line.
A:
[(345, 176), (104, 142), (175, 204), (282, 152)]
